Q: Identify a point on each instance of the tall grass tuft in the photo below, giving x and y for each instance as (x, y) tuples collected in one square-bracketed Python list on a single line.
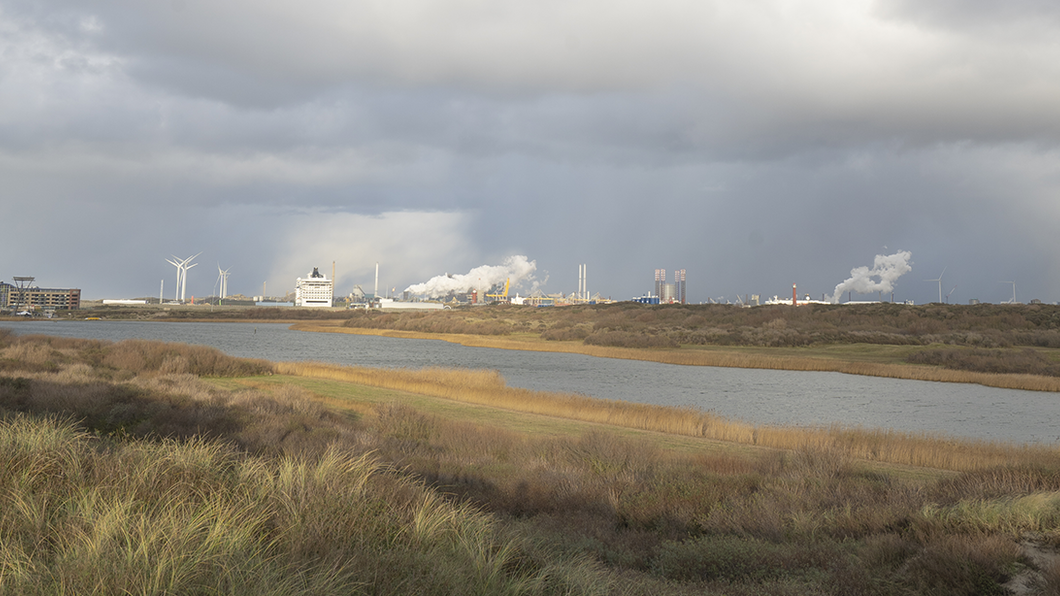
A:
[(197, 517)]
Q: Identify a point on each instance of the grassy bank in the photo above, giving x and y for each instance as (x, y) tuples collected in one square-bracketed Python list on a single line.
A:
[(488, 388), (132, 474), (858, 359)]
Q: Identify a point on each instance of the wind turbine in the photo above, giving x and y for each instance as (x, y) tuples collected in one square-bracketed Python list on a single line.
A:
[(222, 278), (948, 295), (1013, 290), (939, 280), (182, 273)]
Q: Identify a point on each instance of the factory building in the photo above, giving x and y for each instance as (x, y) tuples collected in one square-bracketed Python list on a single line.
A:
[(316, 290), (679, 286), (35, 298), (668, 293)]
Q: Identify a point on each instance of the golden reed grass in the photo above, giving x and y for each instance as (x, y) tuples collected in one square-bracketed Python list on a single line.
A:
[(912, 372), (489, 388)]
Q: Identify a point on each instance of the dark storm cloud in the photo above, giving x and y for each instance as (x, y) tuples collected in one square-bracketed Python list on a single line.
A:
[(975, 15), (753, 144)]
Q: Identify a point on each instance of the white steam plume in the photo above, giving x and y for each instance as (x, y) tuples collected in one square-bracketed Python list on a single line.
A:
[(515, 268), (887, 268)]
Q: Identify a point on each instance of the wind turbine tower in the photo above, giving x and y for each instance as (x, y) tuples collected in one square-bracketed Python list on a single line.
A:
[(583, 290), (939, 280), (1013, 290), (180, 273), (184, 278)]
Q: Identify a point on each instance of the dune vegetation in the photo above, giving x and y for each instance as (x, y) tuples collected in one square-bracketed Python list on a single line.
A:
[(633, 325), (149, 468), (1010, 346)]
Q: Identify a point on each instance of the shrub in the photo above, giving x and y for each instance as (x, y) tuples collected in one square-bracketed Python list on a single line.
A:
[(964, 565), (140, 356), (717, 324), (626, 339), (1026, 361), (741, 559)]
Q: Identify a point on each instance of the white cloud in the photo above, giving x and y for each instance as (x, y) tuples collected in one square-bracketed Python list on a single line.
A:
[(407, 245)]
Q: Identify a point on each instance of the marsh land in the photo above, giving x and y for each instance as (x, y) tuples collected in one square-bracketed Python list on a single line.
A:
[(1011, 346), (146, 467)]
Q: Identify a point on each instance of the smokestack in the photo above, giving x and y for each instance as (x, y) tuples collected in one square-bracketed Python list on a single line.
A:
[(333, 274), (794, 296), (376, 291)]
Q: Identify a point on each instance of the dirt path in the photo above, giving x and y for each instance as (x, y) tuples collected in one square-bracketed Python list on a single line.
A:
[(1044, 562)]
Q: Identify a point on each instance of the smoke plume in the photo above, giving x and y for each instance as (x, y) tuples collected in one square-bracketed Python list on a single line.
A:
[(887, 268), (515, 268)]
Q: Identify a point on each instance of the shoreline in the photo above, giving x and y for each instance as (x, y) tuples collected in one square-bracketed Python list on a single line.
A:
[(726, 357), (719, 357)]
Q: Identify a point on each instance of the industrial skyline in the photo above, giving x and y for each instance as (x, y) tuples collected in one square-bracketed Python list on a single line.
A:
[(865, 284), (876, 283)]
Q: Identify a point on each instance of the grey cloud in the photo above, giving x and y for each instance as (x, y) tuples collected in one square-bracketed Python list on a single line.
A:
[(737, 81), (976, 15), (751, 144)]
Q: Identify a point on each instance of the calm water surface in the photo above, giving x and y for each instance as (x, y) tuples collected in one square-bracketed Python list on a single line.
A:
[(757, 396)]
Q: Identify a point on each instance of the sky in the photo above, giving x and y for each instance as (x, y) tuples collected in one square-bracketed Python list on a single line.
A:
[(754, 144)]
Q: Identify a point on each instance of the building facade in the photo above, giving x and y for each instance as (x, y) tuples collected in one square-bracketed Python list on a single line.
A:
[(316, 290), (34, 298)]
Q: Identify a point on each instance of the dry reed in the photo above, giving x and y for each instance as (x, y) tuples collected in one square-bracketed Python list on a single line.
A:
[(1026, 382), (489, 388)]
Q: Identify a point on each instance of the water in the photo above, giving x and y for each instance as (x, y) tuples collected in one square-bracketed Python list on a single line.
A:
[(756, 396)]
